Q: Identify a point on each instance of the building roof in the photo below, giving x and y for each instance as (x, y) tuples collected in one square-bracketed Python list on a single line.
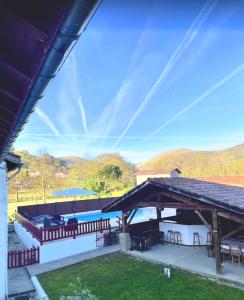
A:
[(35, 39), (230, 180), (157, 172), (13, 161), (208, 193)]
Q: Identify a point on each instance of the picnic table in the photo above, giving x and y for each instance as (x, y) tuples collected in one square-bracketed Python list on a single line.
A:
[(143, 241)]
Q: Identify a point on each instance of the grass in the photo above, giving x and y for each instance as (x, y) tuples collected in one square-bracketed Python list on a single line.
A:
[(120, 277)]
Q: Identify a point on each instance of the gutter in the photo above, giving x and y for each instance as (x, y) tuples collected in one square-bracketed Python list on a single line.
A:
[(75, 21)]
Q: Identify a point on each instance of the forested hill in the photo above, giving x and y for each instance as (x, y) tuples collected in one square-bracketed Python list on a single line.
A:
[(227, 162)]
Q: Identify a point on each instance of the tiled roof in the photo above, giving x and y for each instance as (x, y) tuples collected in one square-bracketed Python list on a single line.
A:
[(230, 180), (228, 195), (220, 195)]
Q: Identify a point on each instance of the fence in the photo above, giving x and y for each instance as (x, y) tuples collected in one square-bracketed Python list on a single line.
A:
[(66, 207), (23, 258), (65, 231)]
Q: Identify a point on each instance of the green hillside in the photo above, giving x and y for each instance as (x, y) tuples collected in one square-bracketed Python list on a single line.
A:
[(227, 162)]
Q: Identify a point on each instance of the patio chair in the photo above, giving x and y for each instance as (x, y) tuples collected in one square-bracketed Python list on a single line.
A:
[(235, 253), (58, 219), (196, 239), (170, 236), (177, 237), (72, 224), (225, 250)]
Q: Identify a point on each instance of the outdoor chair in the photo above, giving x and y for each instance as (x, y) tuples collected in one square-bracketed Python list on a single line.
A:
[(170, 236), (196, 239), (46, 223), (225, 250), (235, 253), (140, 243), (177, 237), (72, 224), (57, 219), (154, 236)]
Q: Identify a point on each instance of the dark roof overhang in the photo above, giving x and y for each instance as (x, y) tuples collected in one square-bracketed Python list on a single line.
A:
[(36, 37), (13, 161)]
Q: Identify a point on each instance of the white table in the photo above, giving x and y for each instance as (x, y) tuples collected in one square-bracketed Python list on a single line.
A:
[(186, 232)]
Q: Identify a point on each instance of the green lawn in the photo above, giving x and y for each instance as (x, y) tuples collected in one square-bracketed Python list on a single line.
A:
[(117, 277)]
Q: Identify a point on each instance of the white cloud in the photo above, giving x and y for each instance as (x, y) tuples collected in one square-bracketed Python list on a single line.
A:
[(47, 121), (175, 57)]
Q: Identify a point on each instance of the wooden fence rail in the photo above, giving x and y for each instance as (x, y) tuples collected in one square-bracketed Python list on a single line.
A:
[(23, 258), (65, 231)]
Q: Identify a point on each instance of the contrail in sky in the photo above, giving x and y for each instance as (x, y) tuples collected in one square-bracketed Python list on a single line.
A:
[(196, 101), (47, 121), (182, 47), (83, 115)]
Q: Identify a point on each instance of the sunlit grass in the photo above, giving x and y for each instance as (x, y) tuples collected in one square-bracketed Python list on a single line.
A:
[(120, 277)]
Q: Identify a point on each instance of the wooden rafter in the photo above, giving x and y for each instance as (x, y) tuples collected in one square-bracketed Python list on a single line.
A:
[(203, 220), (231, 233)]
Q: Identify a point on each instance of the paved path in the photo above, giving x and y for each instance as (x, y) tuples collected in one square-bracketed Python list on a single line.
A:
[(70, 260), (19, 281)]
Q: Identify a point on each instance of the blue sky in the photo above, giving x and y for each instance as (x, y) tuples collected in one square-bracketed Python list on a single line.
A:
[(146, 77)]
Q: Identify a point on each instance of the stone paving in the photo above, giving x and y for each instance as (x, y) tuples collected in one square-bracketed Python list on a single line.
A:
[(193, 259)]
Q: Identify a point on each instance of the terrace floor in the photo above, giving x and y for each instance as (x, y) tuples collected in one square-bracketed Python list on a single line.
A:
[(194, 260)]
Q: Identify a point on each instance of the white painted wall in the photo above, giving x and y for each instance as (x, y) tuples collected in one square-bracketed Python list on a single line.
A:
[(3, 232), (28, 240), (67, 247), (57, 249), (186, 232)]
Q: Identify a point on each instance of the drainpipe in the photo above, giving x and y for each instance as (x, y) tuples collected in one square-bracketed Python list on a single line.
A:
[(3, 232)]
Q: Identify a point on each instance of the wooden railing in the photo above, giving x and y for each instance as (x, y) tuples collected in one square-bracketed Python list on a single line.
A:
[(73, 230), (34, 230), (65, 231), (23, 258)]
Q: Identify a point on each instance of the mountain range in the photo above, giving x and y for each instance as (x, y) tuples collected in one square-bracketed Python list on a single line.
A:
[(228, 162)]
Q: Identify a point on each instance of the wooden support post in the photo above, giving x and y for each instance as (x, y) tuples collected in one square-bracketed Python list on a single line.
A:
[(217, 243), (124, 221), (158, 213)]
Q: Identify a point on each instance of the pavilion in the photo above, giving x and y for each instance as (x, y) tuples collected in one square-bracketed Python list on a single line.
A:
[(217, 206)]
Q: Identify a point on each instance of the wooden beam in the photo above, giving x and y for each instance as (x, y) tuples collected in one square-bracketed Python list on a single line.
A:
[(232, 217), (132, 216), (203, 220), (124, 221), (170, 205), (231, 233), (217, 243)]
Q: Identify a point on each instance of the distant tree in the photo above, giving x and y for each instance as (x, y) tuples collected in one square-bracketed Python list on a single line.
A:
[(97, 185), (110, 172)]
